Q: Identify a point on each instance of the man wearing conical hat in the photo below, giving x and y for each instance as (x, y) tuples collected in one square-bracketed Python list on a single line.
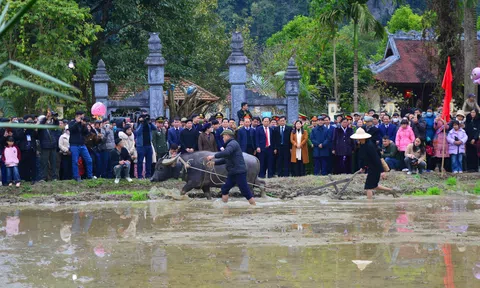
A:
[(370, 159)]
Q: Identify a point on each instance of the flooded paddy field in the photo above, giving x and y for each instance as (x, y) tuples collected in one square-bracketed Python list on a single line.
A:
[(305, 242)]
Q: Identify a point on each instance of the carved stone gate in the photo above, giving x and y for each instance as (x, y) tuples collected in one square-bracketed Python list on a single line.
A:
[(152, 99)]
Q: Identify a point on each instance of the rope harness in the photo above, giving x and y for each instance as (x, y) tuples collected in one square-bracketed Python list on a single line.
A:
[(187, 165)]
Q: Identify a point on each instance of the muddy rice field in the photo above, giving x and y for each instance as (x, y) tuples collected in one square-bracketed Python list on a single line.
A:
[(142, 234)]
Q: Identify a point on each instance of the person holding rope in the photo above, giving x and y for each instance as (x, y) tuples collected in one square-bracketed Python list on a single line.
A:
[(370, 158), (232, 157)]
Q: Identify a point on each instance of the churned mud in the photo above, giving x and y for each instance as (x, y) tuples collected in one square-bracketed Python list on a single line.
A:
[(102, 190), (304, 242)]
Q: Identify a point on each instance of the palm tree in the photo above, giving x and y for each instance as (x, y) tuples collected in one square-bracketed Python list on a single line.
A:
[(337, 12), (363, 21), (331, 17)]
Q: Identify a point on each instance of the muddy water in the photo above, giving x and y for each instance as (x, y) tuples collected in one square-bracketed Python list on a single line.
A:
[(309, 242)]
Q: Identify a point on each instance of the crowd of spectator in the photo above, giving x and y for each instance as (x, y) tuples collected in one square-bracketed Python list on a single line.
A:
[(417, 142)]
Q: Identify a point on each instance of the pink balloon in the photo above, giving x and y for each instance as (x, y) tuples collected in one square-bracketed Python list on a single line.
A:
[(99, 109)]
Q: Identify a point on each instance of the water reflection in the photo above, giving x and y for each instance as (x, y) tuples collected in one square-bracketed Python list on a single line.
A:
[(170, 244)]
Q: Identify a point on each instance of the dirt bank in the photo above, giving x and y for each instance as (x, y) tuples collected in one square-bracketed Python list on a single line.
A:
[(285, 188)]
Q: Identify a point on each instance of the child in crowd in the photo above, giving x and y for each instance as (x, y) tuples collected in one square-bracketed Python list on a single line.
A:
[(11, 158)]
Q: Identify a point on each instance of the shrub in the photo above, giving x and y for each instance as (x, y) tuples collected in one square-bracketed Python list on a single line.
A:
[(430, 192), (434, 191), (139, 196)]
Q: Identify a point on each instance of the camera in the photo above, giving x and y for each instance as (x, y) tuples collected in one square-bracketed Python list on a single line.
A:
[(147, 118), (54, 114)]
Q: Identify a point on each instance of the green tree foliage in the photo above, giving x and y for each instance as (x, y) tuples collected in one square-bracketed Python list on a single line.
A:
[(47, 38), (193, 36), (309, 42), (404, 19)]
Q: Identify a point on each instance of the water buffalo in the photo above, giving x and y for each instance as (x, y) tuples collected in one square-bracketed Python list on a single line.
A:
[(201, 180)]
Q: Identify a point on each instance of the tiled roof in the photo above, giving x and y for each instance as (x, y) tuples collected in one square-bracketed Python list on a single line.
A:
[(411, 65), (122, 92), (202, 92)]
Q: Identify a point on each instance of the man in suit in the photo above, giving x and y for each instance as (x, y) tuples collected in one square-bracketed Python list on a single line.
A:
[(174, 132), (321, 148), (218, 134), (282, 146), (330, 128), (264, 144), (372, 130), (189, 138), (246, 137), (196, 122), (388, 129)]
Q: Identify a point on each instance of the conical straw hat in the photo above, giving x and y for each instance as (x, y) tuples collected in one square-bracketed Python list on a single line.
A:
[(360, 134), (362, 264)]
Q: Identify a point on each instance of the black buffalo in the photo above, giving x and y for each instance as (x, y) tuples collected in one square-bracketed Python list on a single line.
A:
[(202, 180)]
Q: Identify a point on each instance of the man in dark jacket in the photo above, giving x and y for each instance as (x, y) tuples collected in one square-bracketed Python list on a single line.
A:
[(174, 132), (246, 137), (244, 112), (143, 142), (189, 138), (121, 161), (26, 140), (232, 157), (373, 131), (282, 147), (48, 148), (419, 127), (321, 141), (218, 134), (78, 131)]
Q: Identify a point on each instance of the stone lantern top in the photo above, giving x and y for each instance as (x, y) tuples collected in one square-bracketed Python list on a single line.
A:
[(292, 71), (155, 57), (237, 57), (101, 74)]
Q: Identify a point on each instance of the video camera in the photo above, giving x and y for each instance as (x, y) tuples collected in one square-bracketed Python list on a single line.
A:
[(54, 114), (144, 118)]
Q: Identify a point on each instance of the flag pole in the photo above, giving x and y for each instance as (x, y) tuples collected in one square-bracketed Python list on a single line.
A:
[(443, 148)]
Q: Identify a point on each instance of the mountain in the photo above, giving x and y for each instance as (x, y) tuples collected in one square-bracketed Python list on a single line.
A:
[(383, 9)]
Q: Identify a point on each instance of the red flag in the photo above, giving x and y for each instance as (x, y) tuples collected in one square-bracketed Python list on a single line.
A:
[(447, 86)]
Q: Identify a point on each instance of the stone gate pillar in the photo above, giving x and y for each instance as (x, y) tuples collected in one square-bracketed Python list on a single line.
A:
[(156, 76), (100, 85), (237, 63), (292, 79)]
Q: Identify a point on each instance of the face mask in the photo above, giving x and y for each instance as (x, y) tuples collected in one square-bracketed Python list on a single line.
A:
[(461, 121), (429, 114), (115, 129), (395, 120)]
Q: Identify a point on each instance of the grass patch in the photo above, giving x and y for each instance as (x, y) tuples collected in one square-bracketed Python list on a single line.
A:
[(476, 189), (94, 183), (69, 194), (135, 195), (432, 191), (30, 195), (451, 181), (139, 196)]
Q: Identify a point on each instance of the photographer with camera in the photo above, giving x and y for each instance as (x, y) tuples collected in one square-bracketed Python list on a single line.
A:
[(415, 156), (78, 131), (106, 146), (143, 141), (48, 147)]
